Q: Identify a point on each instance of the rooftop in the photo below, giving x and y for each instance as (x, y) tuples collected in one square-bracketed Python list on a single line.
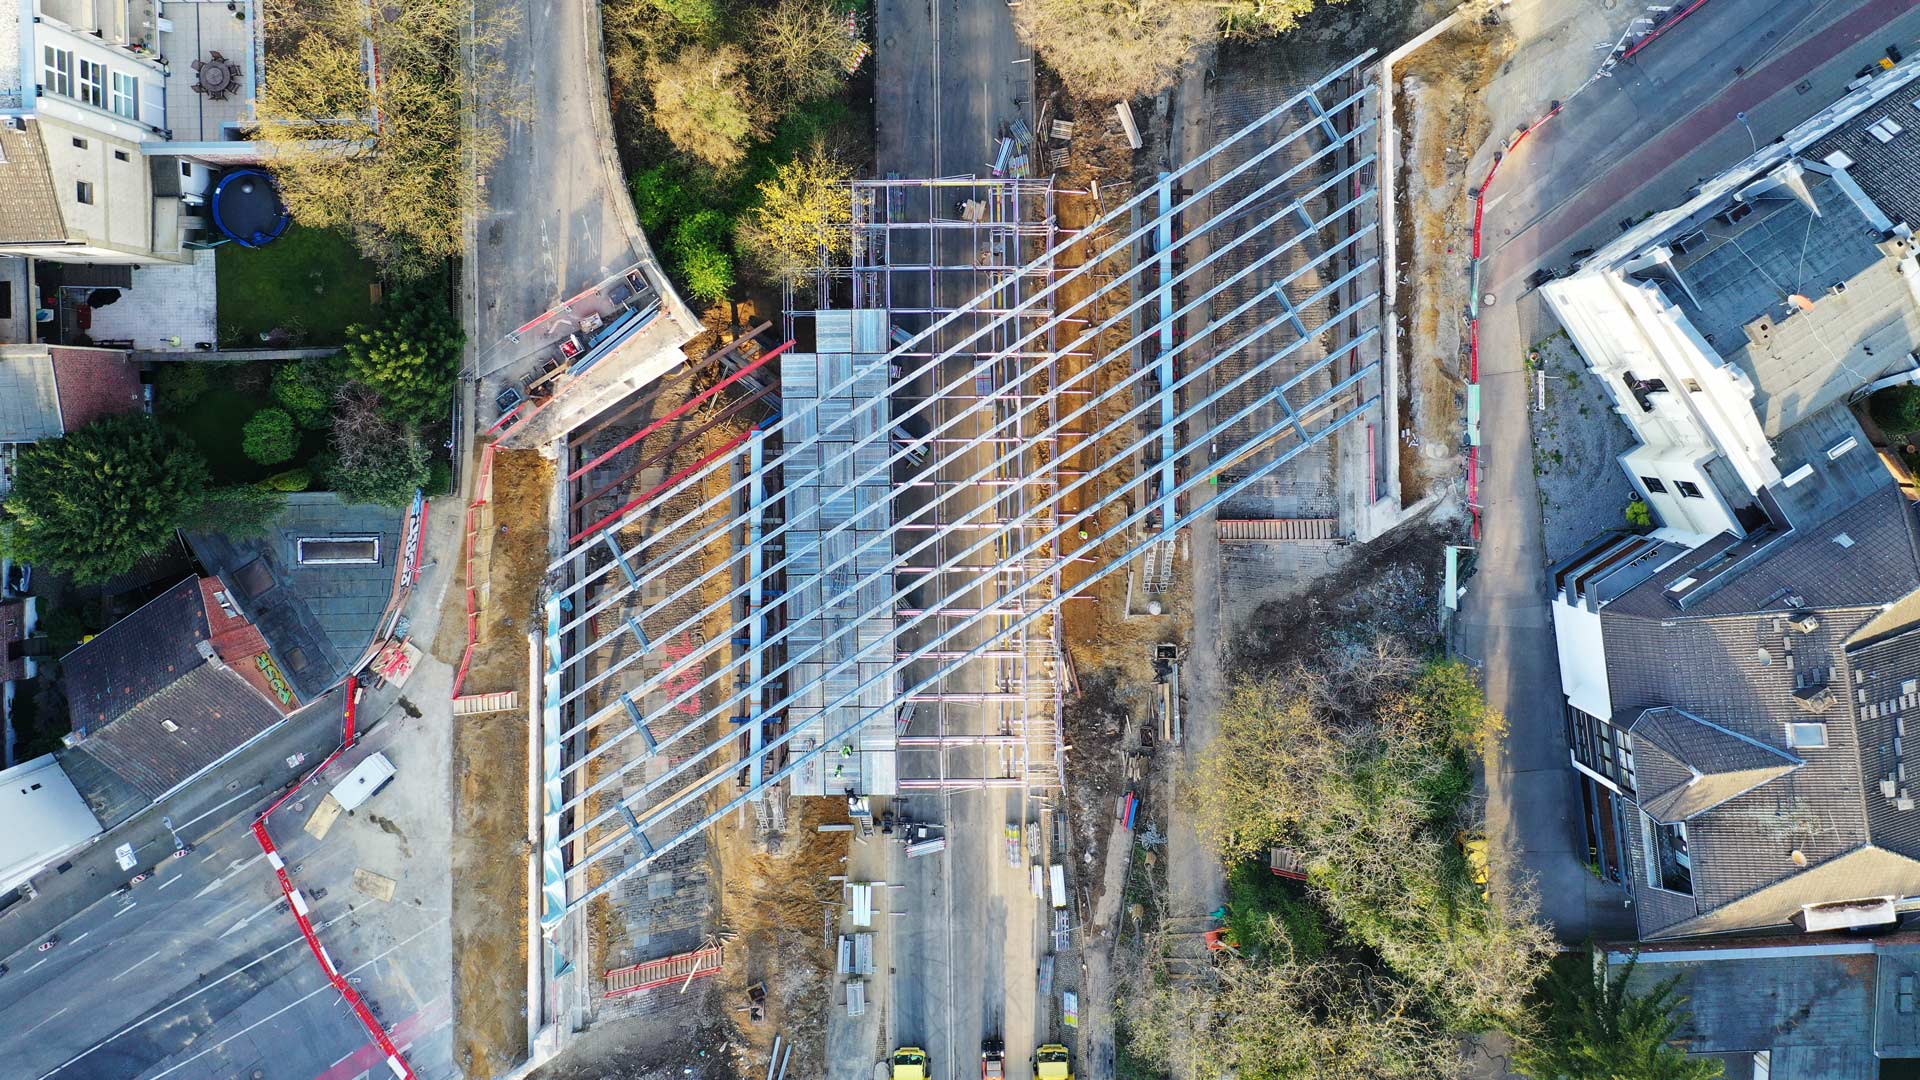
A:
[(29, 209), (29, 401), (1887, 170), (48, 390), (152, 700), (319, 616)]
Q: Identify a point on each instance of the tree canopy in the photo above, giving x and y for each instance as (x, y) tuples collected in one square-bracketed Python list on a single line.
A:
[(376, 459), (1596, 1028), (804, 50), (269, 437), (1123, 49), (410, 358), (393, 160), (803, 213), (700, 101), (97, 501)]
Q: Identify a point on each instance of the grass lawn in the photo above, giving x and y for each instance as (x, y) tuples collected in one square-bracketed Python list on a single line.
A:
[(214, 422), (310, 282)]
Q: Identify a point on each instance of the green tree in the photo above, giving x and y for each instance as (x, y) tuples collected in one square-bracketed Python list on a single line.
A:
[(1897, 409), (662, 196), (238, 510), (411, 358), (94, 503), (1595, 1027), (305, 388), (801, 217), (697, 249), (698, 17), (269, 437), (178, 385)]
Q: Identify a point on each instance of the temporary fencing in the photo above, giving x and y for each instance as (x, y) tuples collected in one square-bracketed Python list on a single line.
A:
[(298, 902), (482, 494)]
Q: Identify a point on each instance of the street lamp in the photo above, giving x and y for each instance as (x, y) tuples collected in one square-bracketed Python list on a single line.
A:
[(1742, 117)]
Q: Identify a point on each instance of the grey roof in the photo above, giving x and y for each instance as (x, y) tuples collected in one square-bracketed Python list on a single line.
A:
[(110, 796), (149, 702), (318, 618), (1896, 1028), (1836, 482), (1889, 172), (1685, 766), (1865, 556), (29, 397), (29, 210), (1812, 1011)]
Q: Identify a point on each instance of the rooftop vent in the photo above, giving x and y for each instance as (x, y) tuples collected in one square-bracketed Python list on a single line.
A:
[(1814, 699), (1806, 624), (1760, 330)]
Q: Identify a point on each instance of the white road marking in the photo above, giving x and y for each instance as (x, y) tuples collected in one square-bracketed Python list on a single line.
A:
[(327, 989), (174, 880), (343, 1057), (271, 904), (183, 826), (233, 868), (126, 909), (261, 959), (36, 964), (133, 965), (76, 941), (45, 1022)]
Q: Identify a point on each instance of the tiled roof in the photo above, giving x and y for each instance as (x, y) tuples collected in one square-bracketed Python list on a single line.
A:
[(1886, 171), (94, 383), (211, 711), (150, 700), (29, 209), (1863, 872), (1685, 766)]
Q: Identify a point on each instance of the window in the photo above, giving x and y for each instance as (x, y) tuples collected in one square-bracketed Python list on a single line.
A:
[(79, 144), (1807, 736), (126, 95), (186, 168), (83, 191), (1665, 849), (93, 83), (1688, 488), (56, 76), (121, 155), (1654, 485), (337, 549)]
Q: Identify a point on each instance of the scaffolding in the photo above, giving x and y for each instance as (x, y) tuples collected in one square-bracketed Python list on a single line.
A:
[(942, 466)]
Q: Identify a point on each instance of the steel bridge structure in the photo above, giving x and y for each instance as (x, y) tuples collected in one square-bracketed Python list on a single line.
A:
[(994, 399)]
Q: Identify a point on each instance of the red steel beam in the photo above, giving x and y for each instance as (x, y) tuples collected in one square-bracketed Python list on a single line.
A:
[(731, 446), (695, 402)]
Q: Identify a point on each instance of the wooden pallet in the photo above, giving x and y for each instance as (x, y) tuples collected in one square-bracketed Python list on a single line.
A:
[(1271, 529), (671, 969), (474, 704)]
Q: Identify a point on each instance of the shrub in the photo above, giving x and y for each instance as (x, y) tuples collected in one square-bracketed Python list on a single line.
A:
[(269, 437), (291, 480), (305, 388), (178, 385), (1897, 409), (439, 478), (1268, 915), (1639, 514), (411, 358), (662, 196)]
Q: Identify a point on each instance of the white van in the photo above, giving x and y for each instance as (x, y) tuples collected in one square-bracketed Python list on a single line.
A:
[(366, 778)]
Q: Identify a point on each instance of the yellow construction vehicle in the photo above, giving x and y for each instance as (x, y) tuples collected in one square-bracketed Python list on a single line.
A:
[(1052, 1062), (909, 1063)]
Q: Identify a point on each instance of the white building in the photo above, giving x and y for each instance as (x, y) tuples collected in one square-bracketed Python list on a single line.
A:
[(45, 816), (113, 114)]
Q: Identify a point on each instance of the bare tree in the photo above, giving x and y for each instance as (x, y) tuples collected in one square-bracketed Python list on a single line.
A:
[(700, 100), (804, 49), (1118, 49)]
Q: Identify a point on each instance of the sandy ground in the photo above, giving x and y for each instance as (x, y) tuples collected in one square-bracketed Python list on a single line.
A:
[(1442, 121), (490, 846)]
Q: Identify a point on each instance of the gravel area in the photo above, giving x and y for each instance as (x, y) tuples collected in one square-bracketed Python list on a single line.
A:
[(1576, 443)]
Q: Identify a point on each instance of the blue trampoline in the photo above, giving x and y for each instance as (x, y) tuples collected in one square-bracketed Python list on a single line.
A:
[(248, 209)]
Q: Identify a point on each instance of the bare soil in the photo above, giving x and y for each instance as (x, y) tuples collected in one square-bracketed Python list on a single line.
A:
[(1442, 118), (490, 843)]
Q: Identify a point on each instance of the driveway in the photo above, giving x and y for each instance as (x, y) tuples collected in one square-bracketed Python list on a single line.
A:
[(1661, 124)]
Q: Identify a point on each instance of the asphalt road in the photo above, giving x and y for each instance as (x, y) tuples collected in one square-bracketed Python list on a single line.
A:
[(964, 942), (1663, 123)]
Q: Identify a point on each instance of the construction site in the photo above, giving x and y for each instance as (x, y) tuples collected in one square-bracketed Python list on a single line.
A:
[(815, 604)]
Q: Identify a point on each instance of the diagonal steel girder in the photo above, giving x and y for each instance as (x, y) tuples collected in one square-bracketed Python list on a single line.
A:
[(721, 531), (699, 654), (1016, 559), (659, 814), (909, 347)]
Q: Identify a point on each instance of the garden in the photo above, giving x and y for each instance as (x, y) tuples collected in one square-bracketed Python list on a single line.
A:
[(303, 289)]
